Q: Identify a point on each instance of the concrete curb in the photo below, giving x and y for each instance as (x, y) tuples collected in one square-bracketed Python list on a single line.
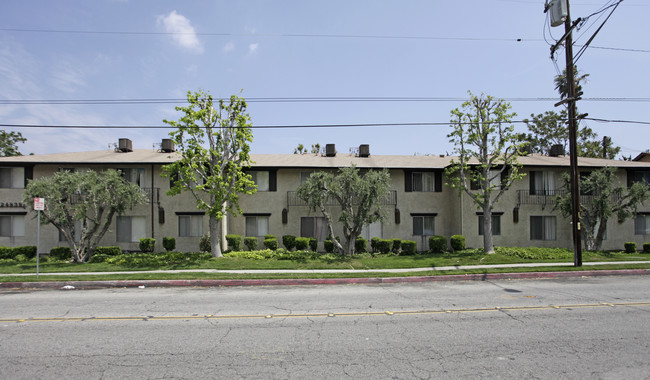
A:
[(66, 285)]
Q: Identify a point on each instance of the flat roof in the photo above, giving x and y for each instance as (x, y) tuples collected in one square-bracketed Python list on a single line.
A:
[(148, 156)]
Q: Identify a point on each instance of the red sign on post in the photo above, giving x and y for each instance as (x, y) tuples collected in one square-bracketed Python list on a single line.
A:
[(39, 204)]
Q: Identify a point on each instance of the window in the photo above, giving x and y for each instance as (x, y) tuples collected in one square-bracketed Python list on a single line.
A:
[(543, 227), (638, 176), (190, 225), (642, 225), (370, 231), (423, 225), (314, 227), (12, 225), (542, 183), (130, 228), (12, 178), (304, 176), (423, 181), (257, 225), (134, 175), (496, 224), (261, 179)]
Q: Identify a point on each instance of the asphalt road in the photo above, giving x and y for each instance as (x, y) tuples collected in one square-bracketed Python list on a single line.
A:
[(562, 328)]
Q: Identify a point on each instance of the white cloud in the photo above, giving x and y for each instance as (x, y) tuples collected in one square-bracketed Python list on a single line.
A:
[(184, 33), (252, 48), (228, 47)]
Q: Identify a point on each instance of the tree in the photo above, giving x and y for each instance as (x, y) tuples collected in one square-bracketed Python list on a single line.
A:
[(550, 128), (8, 141), (601, 200), (300, 149), (358, 195), (214, 148), (487, 150), (87, 200)]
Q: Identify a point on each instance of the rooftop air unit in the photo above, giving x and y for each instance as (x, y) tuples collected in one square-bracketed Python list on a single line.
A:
[(556, 150), (125, 145), (167, 146), (364, 150), (330, 150)]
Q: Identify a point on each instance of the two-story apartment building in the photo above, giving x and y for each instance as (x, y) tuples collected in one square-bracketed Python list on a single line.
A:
[(419, 203)]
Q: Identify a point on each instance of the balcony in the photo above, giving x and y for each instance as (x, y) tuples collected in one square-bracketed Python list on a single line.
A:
[(294, 200), (152, 194), (540, 197)]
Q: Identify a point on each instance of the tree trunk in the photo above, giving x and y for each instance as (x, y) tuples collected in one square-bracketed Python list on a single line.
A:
[(488, 245), (602, 228), (215, 247)]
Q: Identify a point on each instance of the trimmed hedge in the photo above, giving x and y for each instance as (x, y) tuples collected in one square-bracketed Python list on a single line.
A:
[(437, 243), (384, 246), (646, 247), (289, 242), (396, 245), (204, 244), (169, 243), (271, 244), (61, 253), (234, 242), (251, 243), (374, 244), (29, 251), (109, 251), (147, 245), (457, 242), (630, 247), (269, 236), (313, 244), (360, 245), (302, 243), (409, 247)]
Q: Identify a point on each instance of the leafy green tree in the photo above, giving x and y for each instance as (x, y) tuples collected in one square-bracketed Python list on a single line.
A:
[(561, 85), (301, 149), (88, 200), (8, 143), (214, 148), (358, 195), (487, 149), (602, 199)]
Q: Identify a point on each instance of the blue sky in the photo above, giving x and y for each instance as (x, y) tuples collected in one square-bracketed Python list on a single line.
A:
[(306, 49)]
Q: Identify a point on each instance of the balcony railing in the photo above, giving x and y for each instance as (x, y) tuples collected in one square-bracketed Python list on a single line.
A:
[(548, 197), (152, 194), (293, 200)]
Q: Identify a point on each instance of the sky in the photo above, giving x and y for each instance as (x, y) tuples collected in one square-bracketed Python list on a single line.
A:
[(335, 62)]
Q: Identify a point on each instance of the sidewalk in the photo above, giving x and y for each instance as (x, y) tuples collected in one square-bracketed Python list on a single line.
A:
[(322, 281)]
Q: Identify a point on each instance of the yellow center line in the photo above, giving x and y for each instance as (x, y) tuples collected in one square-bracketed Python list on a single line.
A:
[(324, 315)]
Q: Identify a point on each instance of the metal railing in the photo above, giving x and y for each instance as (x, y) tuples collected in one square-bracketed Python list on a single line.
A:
[(549, 197), (293, 200), (152, 194)]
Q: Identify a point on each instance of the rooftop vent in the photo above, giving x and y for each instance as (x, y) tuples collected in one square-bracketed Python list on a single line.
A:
[(364, 150), (556, 150), (124, 145), (330, 150), (167, 146)]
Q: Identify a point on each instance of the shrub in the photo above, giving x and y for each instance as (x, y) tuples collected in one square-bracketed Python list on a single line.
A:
[(99, 258), (204, 244), (169, 243), (534, 253), (329, 246), (109, 251), (271, 244), (234, 242), (302, 243), (289, 242), (147, 244), (269, 236), (20, 257), (61, 253), (630, 247), (646, 247), (313, 244), (361, 245), (6, 253), (251, 242), (173, 258), (374, 244), (409, 247), (457, 242), (29, 251), (437, 243), (384, 245), (397, 244)]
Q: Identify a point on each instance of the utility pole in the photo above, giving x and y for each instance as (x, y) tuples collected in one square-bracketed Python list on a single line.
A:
[(573, 127), (573, 142)]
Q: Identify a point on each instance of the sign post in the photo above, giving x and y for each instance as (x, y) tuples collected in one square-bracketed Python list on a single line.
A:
[(39, 205)]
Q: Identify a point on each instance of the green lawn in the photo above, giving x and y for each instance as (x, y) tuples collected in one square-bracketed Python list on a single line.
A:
[(365, 261)]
